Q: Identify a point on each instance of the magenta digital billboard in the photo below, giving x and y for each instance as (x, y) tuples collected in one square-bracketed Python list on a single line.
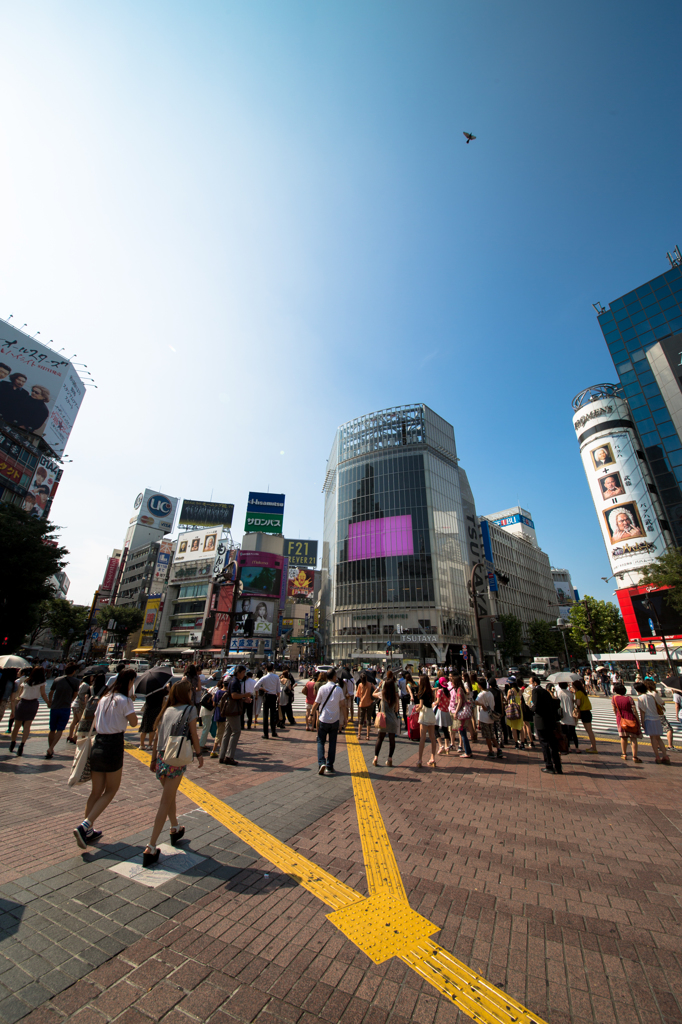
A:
[(379, 538)]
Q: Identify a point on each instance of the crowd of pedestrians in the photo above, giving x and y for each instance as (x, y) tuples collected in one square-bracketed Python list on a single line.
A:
[(196, 715)]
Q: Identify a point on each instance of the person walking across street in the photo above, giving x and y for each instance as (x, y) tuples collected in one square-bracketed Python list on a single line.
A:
[(513, 712), (651, 721), (583, 711), (78, 706), (660, 703), (309, 691), (231, 711), (59, 699), (547, 713), (179, 709), (115, 712), (8, 692), (443, 716), (427, 720), (567, 720), (486, 722), (26, 709), (248, 687), (218, 695), (389, 719), (269, 686), (286, 698), (365, 692), (331, 706), (626, 720)]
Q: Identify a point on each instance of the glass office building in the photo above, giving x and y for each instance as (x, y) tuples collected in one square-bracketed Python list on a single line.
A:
[(643, 330), (397, 553)]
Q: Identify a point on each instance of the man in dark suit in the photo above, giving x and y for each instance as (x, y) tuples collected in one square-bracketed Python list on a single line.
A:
[(547, 714)]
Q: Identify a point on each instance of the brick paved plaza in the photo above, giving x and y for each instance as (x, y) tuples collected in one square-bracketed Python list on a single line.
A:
[(564, 892)]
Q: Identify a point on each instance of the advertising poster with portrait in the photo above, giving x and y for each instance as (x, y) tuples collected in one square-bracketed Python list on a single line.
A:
[(198, 544), (301, 583), (40, 391), (42, 488), (629, 524), (255, 617)]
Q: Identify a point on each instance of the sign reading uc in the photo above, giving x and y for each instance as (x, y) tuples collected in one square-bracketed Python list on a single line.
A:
[(159, 506)]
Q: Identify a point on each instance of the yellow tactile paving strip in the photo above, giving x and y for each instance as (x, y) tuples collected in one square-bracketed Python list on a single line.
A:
[(383, 925)]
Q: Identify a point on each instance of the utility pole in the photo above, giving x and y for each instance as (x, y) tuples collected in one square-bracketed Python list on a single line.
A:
[(477, 565)]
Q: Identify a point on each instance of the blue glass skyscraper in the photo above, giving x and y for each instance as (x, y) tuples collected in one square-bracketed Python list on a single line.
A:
[(643, 330)]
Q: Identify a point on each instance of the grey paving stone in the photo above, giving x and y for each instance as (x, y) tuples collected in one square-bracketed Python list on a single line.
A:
[(36, 966), (77, 969), (94, 956), (56, 955), (147, 923), (56, 981), (16, 978), (13, 1009), (34, 994)]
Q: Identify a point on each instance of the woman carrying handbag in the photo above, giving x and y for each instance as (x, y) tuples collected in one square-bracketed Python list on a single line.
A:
[(427, 720), (387, 720), (115, 712), (175, 737)]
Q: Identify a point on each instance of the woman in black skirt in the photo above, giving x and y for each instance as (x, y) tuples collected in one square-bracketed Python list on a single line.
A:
[(115, 711)]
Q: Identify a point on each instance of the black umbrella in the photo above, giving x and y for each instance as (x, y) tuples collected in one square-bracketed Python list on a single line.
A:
[(152, 680)]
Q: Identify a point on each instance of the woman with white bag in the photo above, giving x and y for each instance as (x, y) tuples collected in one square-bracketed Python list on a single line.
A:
[(115, 712), (175, 737)]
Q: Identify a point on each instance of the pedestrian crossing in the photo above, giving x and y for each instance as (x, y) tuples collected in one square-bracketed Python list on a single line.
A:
[(603, 717)]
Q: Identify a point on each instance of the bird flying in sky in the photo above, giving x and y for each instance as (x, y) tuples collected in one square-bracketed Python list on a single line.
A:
[(468, 137)]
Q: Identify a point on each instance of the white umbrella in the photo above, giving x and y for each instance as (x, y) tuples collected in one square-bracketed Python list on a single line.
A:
[(13, 661), (563, 677)]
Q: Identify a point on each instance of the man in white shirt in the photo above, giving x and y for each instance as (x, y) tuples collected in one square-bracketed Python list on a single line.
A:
[(249, 686), (331, 704), (486, 722), (270, 686)]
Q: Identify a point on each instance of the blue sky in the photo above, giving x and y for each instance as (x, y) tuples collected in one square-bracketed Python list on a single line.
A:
[(257, 220)]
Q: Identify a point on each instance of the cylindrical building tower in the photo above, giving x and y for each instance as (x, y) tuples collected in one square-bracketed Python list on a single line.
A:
[(629, 512)]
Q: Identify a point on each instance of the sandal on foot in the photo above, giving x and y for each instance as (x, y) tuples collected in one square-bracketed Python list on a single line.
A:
[(150, 858), (389, 762), (375, 761)]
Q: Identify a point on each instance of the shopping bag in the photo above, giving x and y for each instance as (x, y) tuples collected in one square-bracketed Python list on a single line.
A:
[(413, 730), (80, 771)]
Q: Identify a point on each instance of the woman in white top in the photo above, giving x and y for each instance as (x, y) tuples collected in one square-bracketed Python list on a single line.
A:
[(115, 712), (651, 721), (177, 704), (32, 689)]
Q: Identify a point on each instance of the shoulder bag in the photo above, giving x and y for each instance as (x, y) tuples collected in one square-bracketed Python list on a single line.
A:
[(228, 706), (318, 711), (80, 771), (178, 750)]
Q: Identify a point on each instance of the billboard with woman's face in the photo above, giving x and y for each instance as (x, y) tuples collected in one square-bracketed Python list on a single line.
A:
[(629, 522), (40, 391)]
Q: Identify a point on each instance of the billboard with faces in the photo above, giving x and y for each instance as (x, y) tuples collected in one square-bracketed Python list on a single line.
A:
[(629, 524), (40, 391), (198, 544)]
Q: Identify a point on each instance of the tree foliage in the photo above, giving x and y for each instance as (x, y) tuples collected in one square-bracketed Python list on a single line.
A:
[(30, 556), (666, 571), (542, 640), (601, 622), (512, 644), (128, 619), (67, 622)]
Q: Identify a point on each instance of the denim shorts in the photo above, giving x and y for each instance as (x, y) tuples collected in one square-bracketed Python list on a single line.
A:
[(59, 718)]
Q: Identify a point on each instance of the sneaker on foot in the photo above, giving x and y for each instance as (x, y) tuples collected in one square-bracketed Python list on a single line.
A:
[(93, 835), (322, 770), (330, 771), (81, 835)]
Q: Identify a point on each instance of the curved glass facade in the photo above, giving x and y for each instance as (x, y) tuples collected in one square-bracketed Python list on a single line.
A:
[(397, 552)]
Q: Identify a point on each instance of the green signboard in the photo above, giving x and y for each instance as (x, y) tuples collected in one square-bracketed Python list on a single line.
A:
[(263, 522), (301, 552), (302, 640)]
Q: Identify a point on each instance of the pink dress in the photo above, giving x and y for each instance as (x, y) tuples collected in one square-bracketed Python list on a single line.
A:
[(626, 717)]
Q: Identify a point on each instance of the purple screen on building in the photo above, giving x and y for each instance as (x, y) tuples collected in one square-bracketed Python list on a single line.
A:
[(378, 538)]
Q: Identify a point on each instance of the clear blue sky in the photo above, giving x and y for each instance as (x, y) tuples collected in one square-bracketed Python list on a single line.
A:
[(255, 220)]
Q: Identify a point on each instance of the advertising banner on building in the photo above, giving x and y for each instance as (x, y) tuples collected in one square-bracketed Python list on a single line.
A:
[(110, 574), (260, 572), (564, 597), (301, 583), (162, 563), (264, 513), (154, 509), (149, 623), (301, 552), (40, 391), (43, 487), (205, 513), (198, 544), (255, 618), (222, 609), (629, 524)]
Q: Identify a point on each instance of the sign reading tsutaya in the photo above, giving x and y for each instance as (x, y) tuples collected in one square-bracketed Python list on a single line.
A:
[(264, 513), (40, 391), (628, 520)]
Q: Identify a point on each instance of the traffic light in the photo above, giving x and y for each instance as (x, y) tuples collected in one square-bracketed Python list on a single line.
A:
[(498, 632), (652, 648)]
